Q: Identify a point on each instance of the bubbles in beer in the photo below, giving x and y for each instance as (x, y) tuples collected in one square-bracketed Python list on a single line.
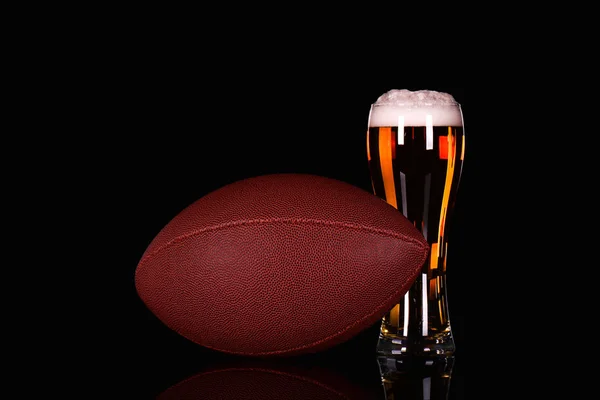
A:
[(416, 108)]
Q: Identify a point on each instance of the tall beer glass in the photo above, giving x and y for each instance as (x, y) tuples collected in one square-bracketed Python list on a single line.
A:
[(415, 151)]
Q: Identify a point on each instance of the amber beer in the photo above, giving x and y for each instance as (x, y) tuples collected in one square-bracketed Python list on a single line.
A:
[(415, 151)]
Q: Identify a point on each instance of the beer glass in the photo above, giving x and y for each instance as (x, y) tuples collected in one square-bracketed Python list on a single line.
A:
[(415, 152)]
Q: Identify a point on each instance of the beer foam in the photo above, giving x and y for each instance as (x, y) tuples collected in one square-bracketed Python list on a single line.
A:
[(419, 108)]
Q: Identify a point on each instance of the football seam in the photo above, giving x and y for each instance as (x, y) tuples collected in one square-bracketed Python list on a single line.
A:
[(257, 221)]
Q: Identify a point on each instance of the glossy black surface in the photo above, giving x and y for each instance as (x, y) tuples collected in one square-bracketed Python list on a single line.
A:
[(156, 362)]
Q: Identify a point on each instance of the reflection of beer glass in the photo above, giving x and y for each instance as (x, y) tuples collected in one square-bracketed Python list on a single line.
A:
[(415, 150), (416, 378)]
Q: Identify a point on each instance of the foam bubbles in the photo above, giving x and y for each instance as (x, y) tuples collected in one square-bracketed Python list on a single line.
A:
[(418, 108)]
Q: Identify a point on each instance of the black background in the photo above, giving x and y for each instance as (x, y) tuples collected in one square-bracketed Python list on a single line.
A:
[(162, 144)]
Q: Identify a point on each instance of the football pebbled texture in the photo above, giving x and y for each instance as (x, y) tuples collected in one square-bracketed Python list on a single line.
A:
[(279, 265)]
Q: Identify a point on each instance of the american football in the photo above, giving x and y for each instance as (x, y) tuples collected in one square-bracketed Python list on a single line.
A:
[(279, 265)]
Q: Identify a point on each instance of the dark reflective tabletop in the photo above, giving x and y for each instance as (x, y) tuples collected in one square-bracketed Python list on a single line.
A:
[(152, 362), (262, 379)]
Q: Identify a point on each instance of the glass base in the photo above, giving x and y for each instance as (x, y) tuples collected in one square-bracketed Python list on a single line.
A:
[(426, 346)]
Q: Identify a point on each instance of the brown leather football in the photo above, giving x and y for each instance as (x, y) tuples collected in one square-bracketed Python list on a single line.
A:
[(280, 264)]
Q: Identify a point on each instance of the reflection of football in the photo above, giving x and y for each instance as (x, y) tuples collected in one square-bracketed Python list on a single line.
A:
[(280, 264), (244, 380)]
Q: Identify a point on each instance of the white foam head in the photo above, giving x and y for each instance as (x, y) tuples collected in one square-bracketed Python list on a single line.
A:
[(416, 107)]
